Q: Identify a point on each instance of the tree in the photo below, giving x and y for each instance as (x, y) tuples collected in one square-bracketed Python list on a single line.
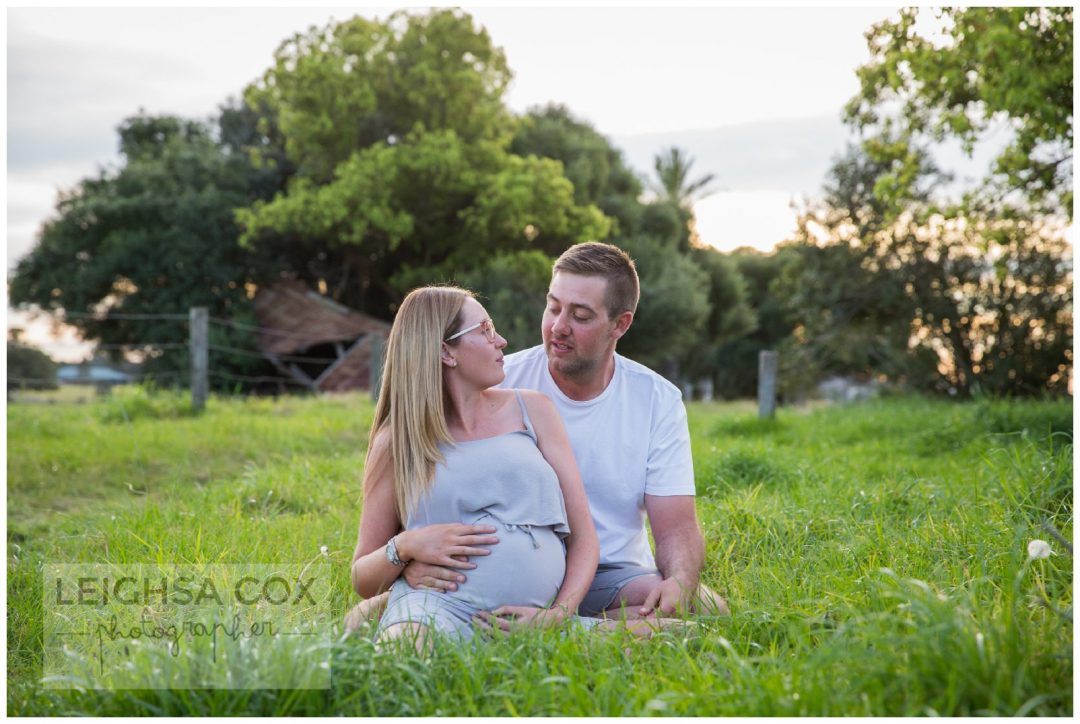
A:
[(676, 194), (404, 177), (736, 369), (353, 84), (594, 166), (674, 305), (426, 209), (992, 63), (730, 315), (960, 304), (673, 182), (29, 368), (513, 289), (152, 238)]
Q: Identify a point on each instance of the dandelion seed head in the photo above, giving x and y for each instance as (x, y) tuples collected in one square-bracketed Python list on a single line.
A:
[(1039, 549), (324, 550)]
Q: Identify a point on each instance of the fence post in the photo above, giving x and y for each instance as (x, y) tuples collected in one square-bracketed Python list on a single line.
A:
[(376, 351), (766, 391), (200, 356)]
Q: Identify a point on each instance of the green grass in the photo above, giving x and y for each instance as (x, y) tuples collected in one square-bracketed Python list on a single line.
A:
[(874, 557)]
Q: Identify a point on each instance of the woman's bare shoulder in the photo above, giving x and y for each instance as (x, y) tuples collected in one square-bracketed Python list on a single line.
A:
[(541, 408)]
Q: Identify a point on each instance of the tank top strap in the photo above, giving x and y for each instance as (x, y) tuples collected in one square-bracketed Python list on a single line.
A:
[(525, 415)]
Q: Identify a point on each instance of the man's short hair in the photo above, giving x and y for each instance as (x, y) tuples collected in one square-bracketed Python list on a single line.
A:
[(610, 262)]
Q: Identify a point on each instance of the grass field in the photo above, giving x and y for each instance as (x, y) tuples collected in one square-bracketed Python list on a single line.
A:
[(874, 556)]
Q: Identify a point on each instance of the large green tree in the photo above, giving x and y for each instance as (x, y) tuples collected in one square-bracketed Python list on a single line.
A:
[(593, 165), (404, 173), (152, 238), (987, 64), (350, 85)]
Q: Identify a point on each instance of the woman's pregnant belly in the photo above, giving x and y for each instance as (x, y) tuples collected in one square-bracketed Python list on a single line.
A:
[(525, 568)]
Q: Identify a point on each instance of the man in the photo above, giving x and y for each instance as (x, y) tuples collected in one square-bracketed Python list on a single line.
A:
[(627, 426)]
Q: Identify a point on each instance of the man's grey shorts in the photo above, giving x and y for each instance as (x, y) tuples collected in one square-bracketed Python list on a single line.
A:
[(609, 580)]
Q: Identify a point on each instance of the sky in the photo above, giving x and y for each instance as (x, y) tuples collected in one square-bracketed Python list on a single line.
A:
[(754, 95)]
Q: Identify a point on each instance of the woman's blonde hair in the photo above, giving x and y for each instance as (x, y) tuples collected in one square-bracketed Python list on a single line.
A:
[(411, 397)]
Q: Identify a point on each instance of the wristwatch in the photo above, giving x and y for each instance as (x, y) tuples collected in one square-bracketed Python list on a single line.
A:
[(392, 554)]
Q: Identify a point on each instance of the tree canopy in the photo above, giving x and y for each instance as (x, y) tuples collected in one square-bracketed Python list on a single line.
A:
[(404, 171), (374, 156), (960, 304), (991, 63), (155, 236)]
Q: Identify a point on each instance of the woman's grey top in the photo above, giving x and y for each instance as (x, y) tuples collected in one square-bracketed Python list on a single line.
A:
[(503, 481), (505, 476)]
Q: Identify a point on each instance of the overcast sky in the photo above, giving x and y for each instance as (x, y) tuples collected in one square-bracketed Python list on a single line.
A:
[(753, 94)]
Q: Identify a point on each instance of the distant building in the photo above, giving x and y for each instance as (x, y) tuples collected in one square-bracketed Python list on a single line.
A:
[(98, 372), (315, 340), (847, 389)]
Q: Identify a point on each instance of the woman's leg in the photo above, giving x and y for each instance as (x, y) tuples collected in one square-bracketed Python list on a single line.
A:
[(368, 610), (409, 632), (642, 628)]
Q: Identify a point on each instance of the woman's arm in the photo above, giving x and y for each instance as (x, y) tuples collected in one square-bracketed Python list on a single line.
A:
[(439, 551), (371, 572), (583, 545)]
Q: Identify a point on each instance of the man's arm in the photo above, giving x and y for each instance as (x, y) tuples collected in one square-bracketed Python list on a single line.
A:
[(680, 552)]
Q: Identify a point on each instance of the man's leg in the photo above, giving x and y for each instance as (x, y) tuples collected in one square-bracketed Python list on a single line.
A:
[(628, 601), (370, 609)]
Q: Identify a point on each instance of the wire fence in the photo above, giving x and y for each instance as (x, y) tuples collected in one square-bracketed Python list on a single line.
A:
[(154, 350)]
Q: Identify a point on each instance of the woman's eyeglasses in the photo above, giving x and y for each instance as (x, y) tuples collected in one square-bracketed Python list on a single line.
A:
[(486, 326)]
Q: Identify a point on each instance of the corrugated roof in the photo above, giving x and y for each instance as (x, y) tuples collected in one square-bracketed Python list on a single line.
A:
[(293, 318)]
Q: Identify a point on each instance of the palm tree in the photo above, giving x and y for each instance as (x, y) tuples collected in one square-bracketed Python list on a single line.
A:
[(673, 172)]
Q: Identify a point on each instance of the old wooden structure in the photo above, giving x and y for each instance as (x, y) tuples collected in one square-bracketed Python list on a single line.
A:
[(315, 340)]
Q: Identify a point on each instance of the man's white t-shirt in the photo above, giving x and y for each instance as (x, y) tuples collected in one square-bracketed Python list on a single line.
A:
[(631, 440)]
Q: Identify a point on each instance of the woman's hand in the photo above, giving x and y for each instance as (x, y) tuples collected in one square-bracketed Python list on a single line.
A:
[(504, 618), (447, 545)]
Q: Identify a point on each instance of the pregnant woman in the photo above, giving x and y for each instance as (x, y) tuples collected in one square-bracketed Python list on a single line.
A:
[(462, 474)]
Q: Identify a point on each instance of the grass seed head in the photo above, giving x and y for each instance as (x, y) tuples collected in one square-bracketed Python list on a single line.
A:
[(1039, 549)]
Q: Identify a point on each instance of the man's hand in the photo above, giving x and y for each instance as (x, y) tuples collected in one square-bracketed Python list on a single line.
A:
[(503, 619), (669, 597), (438, 578), (448, 545)]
